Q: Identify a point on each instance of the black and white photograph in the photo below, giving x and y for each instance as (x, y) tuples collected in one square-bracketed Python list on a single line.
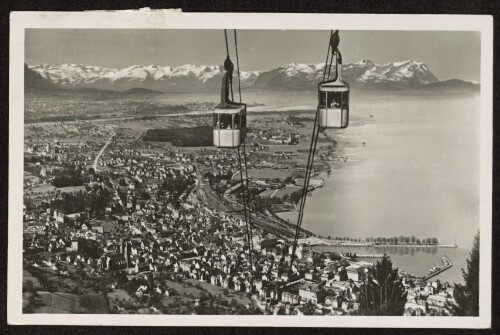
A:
[(265, 171)]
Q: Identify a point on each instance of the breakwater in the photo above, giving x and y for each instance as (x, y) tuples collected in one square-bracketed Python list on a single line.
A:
[(317, 241)]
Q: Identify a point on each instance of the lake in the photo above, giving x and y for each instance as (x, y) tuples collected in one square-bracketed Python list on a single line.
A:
[(417, 174), (258, 100)]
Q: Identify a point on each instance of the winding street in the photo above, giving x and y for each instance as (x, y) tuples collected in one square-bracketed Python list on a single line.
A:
[(100, 153)]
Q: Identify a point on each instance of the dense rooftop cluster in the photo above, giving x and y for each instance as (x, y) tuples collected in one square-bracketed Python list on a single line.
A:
[(159, 230)]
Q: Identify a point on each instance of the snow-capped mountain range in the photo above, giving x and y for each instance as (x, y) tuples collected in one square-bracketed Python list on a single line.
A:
[(189, 78), (181, 78)]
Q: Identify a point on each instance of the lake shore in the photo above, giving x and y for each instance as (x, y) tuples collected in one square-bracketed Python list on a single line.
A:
[(314, 241)]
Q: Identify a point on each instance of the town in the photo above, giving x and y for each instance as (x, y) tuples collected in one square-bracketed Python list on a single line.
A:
[(116, 223)]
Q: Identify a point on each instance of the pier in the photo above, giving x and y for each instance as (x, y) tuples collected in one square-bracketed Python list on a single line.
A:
[(349, 255), (448, 265), (366, 255)]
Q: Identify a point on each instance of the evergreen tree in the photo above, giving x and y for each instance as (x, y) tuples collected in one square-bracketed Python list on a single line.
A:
[(309, 308), (467, 297), (382, 293)]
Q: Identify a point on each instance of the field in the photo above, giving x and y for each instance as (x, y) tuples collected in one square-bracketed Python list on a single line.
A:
[(70, 105), (48, 188), (190, 137), (280, 193), (135, 127), (70, 189), (43, 188), (266, 174)]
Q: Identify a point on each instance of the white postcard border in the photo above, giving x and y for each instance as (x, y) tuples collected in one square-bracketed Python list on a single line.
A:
[(171, 20)]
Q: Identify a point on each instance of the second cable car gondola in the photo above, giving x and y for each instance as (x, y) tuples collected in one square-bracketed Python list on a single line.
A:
[(333, 96), (229, 117)]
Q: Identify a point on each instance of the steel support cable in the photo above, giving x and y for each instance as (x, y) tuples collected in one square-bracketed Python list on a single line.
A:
[(304, 193), (232, 95), (306, 183), (239, 154), (65, 297), (62, 296), (237, 62), (57, 307), (246, 192), (313, 147), (248, 200), (309, 168), (327, 55), (305, 187), (309, 172), (227, 52), (244, 142), (310, 162), (38, 300), (245, 208), (330, 65), (227, 45)]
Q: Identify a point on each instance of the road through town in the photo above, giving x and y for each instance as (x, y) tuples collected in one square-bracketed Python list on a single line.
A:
[(96, 160)]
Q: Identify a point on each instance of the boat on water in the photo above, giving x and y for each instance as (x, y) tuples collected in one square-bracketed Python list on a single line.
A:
[(434, 269), (446, 261), (438, 269)]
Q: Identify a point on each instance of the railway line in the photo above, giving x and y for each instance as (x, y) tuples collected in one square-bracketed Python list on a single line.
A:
[(268, 224)]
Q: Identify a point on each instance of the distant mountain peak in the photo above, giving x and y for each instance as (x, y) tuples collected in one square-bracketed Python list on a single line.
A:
[(452, 84), (365, 61), (195, 77)]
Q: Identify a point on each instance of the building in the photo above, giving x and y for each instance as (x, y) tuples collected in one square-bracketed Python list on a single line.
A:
[(311, 292), (288, 297)]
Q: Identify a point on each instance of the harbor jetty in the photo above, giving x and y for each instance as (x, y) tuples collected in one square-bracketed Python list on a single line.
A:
[(315, 241), (437, 269), (362, 255)]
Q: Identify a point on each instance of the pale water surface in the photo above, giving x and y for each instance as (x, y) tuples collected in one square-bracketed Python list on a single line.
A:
[(417, 174)]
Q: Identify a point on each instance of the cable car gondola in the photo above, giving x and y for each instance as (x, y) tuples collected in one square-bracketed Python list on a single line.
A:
[(230, 128), (229, 117), (333, 95)]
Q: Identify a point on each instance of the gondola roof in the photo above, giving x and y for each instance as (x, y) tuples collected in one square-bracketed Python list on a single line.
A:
[(228, 110), (337, 86)]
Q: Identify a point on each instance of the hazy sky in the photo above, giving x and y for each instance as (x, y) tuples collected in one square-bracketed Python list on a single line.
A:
[(448, 54)]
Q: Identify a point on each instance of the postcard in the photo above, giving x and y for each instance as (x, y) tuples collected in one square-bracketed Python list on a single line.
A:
[(307, 170)]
